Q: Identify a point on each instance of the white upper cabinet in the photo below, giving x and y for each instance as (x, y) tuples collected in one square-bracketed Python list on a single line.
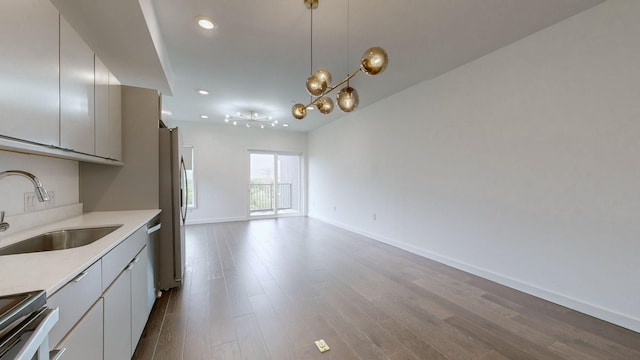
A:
[(76, 92), (29, 103), (53, 90), (115, 118), (107, 113), (101, 108)]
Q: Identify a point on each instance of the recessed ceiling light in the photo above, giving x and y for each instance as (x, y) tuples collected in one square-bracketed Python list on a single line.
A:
[(203, 92), (167, 112), (205, 22), (285, 125), (204, 116)]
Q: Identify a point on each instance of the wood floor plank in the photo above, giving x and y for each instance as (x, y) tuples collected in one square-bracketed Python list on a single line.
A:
[(226, 351), (154, 324), (485, 315), (368, 326), (412, 342), (437, 333), (273, 329), (571, 353), (250, 339), (172, 338), (210, 317), (365, 348), (146, 348), (404, 354), (267, 289)]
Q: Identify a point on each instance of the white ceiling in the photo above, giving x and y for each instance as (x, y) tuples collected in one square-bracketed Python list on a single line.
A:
[(258, 57)]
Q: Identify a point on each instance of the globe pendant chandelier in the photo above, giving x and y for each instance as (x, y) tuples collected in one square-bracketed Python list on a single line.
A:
[(252, 120), (373, 62)]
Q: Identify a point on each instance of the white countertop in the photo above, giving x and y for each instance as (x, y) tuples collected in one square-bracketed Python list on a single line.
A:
[(50, 270)]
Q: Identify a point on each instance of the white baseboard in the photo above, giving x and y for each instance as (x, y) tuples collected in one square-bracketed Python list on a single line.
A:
[(224, 220), (213, 221), (569, 302)]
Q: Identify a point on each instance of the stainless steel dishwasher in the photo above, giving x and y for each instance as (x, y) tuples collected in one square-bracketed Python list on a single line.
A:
[(25, 322)]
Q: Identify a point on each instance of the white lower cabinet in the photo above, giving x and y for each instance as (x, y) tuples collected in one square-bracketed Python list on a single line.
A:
[(125, 309), (139, 313), (104, 309), (84, 341), (117, 318)]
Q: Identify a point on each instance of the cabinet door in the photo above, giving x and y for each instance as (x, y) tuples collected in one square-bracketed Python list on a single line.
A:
[(29, 71), (139, 312), (85, 340), (117, 318), (76, 92), (108, 113), (102, 119), (115, 118)]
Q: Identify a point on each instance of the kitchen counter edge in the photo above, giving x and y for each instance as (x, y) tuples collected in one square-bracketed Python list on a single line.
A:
[(51, 270)]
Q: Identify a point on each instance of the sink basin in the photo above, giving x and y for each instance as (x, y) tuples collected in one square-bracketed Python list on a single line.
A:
[(59, 240)]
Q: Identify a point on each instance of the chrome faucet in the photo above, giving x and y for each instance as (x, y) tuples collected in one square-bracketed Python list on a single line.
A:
[(41, 192)]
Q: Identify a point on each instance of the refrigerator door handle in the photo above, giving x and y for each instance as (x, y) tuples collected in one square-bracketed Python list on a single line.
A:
[(183, 204), (154, 228)]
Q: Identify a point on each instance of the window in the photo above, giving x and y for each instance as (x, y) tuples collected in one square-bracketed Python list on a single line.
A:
[(188, 156)]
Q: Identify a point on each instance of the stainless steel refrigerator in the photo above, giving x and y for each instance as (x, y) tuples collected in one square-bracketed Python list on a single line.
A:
[(170, 252)]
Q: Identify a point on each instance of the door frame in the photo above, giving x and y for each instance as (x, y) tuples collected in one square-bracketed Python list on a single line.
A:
[(301, 180)]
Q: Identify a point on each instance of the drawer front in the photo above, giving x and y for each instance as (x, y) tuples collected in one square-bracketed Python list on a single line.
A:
[(117, 259), (85, 341), (74, 299)]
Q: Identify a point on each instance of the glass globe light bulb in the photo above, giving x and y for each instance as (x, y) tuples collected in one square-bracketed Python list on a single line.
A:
[(325, 105), (324, 76), (299, 111), (315, 85), (348, 99), (374, 61)]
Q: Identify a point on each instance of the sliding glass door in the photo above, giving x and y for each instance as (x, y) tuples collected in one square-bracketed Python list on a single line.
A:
[(274, 184)]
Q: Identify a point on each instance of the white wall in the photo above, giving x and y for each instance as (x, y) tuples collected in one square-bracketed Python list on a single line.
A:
[(57, 175), (222, 166), (522, 166)]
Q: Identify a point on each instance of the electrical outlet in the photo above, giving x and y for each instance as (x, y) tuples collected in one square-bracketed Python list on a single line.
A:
[(32, 204), (322, 345), (375, 217), (52, 200)]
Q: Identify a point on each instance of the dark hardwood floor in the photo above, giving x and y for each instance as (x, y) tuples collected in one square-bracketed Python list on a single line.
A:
[(267, 289)]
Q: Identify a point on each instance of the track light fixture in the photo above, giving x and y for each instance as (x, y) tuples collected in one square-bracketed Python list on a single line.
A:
[(252, 120)]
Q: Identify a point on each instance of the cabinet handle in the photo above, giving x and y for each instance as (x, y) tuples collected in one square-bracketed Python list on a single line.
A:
[(79, 277), (56, 354), (136, 259), (131, 265)]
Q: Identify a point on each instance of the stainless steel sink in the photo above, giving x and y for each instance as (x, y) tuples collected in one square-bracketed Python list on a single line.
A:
[(59, 240)]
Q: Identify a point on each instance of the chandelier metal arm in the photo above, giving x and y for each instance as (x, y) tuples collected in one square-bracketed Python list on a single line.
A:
[(374, 61), (329, 90)]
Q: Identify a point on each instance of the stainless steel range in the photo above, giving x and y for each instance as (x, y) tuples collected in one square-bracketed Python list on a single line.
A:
[(25, 322)]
